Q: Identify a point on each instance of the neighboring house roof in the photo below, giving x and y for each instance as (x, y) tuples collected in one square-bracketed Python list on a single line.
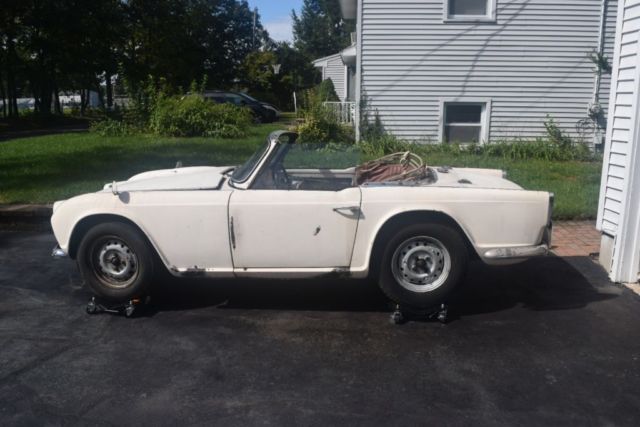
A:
[(348, 57)]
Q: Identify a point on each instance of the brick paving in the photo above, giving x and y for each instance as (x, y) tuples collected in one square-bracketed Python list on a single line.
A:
[(575, 238)]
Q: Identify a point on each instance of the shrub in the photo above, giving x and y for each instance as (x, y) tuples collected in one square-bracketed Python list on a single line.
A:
[(323, 128), (320, 124), (557, 146), (111, 127), (514, 150), (555, 134), (327, 91), (192, 115)]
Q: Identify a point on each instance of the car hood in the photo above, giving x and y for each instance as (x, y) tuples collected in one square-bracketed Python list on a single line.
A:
[(474, 178), (180, 179)]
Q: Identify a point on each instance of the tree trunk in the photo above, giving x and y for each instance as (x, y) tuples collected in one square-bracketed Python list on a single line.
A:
[(83, 102), (46, 99), (56, 101), (11, 81), (4, 98), (100, 96), (109, 90), (57, 108)]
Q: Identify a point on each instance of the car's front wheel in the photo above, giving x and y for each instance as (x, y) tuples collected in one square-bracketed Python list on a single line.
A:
[(422, 264), (115, 261)]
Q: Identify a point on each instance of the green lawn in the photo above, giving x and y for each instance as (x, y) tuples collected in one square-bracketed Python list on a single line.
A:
[(49, 168), (575, 184)]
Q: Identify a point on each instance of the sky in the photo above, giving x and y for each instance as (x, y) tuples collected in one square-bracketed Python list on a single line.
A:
[(275, 16)]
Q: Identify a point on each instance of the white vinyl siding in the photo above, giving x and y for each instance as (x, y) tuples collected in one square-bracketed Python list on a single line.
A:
[(531, 62), (623, 104), (333, 68)]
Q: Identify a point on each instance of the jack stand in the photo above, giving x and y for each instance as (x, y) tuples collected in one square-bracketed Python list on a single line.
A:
[(397, 317), (95, 306), (401, 314)]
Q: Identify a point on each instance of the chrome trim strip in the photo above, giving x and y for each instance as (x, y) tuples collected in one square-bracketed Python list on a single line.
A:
[(58, 253), (517, 252)]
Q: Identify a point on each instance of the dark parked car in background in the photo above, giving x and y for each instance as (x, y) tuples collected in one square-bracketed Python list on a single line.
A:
[(261, 114), (266, 105)]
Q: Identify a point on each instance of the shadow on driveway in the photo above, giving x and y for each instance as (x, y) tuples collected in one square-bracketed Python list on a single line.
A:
[(546, 342), (543, 284)]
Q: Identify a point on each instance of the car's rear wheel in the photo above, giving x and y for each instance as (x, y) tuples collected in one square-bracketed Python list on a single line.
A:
[(422, 264), (116, 261)]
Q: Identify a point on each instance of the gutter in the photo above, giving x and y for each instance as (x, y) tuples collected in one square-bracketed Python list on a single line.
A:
[(358, 99)]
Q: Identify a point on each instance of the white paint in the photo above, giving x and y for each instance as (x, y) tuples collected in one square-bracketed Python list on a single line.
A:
[(294, 229), (619, 207), (297, 233)]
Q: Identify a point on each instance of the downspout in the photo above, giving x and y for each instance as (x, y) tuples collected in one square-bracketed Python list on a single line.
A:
[(595, 109), (358, 99), (603, 21)]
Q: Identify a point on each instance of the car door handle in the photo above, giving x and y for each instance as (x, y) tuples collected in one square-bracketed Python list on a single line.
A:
[(355, 210)]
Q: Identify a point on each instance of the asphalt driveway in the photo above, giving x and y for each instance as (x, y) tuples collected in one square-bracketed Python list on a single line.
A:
[(548, 342)]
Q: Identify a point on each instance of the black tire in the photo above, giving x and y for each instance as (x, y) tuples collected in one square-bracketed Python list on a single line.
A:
[(122, 249), (430, 236)]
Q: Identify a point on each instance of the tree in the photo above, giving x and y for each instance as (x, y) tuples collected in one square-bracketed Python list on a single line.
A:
[(11, 15), (55, 45), (257, 70), (319, 30), (184, 40)]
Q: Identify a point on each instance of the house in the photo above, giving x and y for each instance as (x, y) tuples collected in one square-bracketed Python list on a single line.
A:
[(619, 207), (481, 70), (342, 76)]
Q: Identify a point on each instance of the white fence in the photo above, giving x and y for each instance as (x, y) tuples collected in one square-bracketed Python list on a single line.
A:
[(344, 111)]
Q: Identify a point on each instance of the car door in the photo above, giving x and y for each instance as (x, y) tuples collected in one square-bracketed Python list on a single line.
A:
[(293, 229)]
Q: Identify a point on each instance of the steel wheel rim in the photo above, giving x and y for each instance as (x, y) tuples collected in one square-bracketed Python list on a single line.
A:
[(421, 264), (114, 263)]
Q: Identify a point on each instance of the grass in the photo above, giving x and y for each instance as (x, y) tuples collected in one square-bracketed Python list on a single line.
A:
[(49, 168), (575, 184)]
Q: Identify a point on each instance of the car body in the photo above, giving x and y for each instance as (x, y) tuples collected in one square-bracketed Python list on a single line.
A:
[(266, 105), (261, 113), (273, 218)]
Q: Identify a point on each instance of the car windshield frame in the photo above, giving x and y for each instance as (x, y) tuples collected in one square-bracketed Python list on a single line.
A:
[(243, 172)]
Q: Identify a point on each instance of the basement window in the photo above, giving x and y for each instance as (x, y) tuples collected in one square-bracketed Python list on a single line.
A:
[(470, 10), (464, 123)]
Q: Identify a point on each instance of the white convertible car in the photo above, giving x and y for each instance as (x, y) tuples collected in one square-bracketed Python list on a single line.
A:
[(286, 214)]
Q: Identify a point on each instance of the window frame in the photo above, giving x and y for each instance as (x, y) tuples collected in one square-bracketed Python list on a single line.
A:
[(490, 16), (485, 117)]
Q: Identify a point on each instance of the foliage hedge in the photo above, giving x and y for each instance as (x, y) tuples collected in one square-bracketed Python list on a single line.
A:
[(156, 109), (320, 124), (192, 115)]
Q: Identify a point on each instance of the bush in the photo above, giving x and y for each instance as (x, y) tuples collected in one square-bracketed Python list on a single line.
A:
[(321, 125), (111, 127), (555, 134), (324, 128), (557, 146), (327, 91), (192, 115), (515, 150)]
